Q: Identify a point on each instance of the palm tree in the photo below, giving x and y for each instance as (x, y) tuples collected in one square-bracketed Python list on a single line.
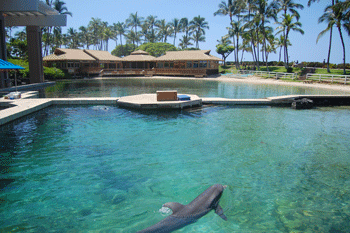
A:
[(264, 12), (165, 30), (95, 26), (176, 27), (185, 26), (73, 37), (134, 21), (330, 37), (335, 15), (85, 36), (132, 38), (185, 42), (120, 28), (198, 26), (279, 42), (59, 6), (286, 26), (151, 22), (197, 36), (289, 5)]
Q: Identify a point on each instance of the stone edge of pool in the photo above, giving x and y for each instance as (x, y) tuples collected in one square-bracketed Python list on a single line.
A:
[(27, 105)]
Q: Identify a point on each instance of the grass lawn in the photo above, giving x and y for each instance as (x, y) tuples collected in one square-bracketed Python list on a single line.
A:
[(232, 69)]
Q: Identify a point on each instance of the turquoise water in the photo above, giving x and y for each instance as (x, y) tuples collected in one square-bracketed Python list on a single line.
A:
[(106, 169), (132, 86)]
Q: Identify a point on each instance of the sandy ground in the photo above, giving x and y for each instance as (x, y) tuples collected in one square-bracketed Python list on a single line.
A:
[(258, 80)]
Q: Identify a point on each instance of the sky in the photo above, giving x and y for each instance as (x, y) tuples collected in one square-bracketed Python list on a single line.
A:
[(304, 47)]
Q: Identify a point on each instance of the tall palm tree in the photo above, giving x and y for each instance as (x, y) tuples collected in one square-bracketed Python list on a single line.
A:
[(279, 42), (185, 42), (132, 38), (134, 21), (198, 26), (264, 12), (121, 29), (185, 26), (335, 15), (151, 22), (176, 27), (85, 36), (73, 37), (198, 36), (95, 26), (286, 26), (59, 6), (330, 37), (289, 5), (165, 30)]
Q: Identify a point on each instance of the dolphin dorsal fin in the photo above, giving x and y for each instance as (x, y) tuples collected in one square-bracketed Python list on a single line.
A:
[(219, 211), (174, 206)]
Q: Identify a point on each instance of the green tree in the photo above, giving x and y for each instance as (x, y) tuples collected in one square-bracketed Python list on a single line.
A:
[(123, 50), (157, 49), (224, 48)]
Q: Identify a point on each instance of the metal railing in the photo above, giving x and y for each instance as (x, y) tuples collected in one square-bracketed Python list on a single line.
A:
[(328, 78)]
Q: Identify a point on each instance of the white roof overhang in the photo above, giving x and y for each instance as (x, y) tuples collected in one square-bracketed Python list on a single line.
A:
[(30, 13)]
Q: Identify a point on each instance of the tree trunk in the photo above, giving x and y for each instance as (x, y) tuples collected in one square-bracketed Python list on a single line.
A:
[(342, 42)]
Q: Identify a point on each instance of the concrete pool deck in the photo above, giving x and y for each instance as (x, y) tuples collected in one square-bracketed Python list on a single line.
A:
[(15, 109)]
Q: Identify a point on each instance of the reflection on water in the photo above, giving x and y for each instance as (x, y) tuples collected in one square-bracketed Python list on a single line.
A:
[(80, 169), (132, 86)]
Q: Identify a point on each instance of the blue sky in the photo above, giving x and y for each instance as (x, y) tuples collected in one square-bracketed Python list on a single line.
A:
[(304, 47)]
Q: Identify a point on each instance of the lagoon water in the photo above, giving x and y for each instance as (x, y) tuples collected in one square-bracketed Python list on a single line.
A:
[(107, 169), (132, 86)]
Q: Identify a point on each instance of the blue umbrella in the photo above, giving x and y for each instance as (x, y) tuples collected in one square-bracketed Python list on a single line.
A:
[(4, 65), (7, 66)]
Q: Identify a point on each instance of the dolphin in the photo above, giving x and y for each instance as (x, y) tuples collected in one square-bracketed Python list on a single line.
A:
[(184, 215)]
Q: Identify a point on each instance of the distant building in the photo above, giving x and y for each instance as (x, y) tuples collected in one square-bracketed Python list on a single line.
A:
[(197, 63), (80, 62)]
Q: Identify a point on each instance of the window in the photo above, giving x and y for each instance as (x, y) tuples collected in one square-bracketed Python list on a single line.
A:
[(195, 64), (171, 64), (166, 65), (189, 64), (203, 64), (160, 64)]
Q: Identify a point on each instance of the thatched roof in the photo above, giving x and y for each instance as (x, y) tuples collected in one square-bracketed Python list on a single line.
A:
[(69, 54), (102, 55), (188, 55), (138, 56)]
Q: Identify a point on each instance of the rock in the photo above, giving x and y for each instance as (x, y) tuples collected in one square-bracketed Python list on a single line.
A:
[(303, 104)]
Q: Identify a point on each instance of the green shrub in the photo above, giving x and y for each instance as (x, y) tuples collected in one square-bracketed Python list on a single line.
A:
[(290, 70), (53, 73)]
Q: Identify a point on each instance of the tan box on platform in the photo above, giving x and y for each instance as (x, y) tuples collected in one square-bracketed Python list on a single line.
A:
[(166, 95)]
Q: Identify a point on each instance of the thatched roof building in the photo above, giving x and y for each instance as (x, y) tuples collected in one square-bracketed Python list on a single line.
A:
[(68, 55), (188, 55), (138, 56)]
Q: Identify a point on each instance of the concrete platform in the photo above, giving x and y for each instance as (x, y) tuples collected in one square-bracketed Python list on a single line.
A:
[(149, 101), (22, 107), (13, 109)]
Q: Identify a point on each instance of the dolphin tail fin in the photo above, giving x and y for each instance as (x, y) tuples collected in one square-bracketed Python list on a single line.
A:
[(174, 206), (219, 211)]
